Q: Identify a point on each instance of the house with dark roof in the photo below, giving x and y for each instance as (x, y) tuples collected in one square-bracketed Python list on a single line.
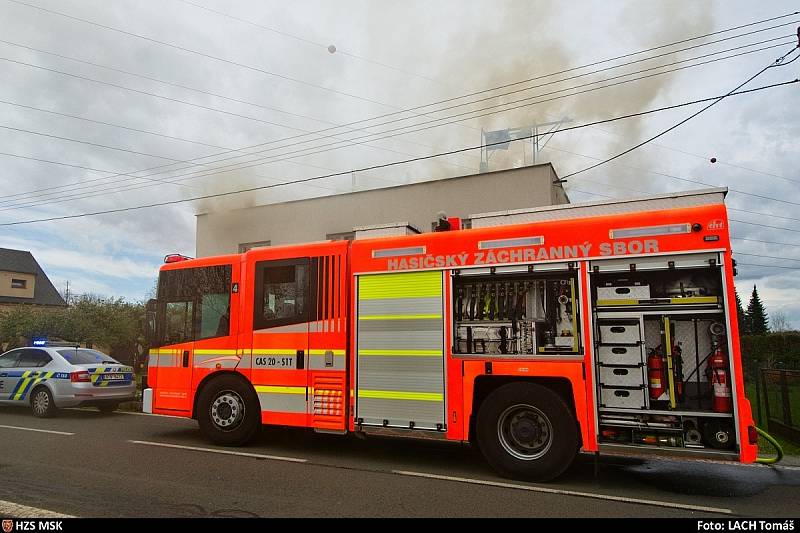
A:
[(23, 282)]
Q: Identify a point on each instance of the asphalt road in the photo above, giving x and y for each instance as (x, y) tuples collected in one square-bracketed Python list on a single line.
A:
[(128, 465)]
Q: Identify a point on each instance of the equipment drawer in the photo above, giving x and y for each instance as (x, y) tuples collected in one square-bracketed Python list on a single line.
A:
[(611, 354), (623, 292), (618, 332), (623, 398), (621, 376)]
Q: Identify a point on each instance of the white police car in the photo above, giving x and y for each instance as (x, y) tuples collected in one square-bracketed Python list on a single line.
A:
[(50, 377)]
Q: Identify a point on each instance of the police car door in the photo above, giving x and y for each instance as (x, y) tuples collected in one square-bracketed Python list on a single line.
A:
[(9, 376), (29, 368)]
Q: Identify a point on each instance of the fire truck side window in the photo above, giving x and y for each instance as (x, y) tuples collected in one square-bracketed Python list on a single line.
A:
[(195, 304), (281, 293), (178, 322)]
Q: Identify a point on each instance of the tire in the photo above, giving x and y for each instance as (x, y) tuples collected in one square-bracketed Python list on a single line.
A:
[(42, 403), (527, 431), (108, 408), (228, 411)]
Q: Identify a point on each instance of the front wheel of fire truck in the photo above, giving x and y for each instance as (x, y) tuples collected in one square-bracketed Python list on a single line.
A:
[(228, 411), (527, 431)]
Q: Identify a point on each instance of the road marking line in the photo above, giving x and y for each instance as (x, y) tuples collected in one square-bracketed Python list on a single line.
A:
[(37, 430), (224, 452), (655, 503), (15, 510)]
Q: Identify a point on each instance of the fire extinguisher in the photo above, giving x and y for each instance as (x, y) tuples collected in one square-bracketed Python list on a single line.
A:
[(655, 374), (721, 385)]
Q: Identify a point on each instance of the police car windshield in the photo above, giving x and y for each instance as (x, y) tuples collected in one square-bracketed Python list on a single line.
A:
[(84, 356)]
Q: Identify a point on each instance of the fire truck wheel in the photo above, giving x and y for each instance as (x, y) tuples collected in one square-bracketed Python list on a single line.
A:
[(228, 411), (527, 431)]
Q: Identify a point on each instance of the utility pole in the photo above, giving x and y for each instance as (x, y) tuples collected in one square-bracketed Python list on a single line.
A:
[(66, 293)]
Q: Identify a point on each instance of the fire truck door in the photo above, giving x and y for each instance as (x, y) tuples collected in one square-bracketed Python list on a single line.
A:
[(282, 306), (400, 343)]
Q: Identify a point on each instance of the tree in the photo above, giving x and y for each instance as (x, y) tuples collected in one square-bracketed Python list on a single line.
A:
[(757, 315), (741, 316), (779, 322)]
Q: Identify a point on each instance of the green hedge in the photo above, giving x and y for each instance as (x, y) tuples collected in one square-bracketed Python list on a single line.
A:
[(771, 350)]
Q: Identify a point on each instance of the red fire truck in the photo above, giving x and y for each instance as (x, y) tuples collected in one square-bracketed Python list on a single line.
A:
[(605, 327)]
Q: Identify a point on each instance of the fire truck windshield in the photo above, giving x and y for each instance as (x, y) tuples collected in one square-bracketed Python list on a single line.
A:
[(193, 304)]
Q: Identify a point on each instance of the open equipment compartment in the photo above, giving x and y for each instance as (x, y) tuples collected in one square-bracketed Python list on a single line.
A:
[(663, 371), (516, 312)]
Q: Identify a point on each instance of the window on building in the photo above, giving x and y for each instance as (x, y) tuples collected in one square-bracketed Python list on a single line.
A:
[(341, 236), (281, 293), (243, 247), (19, 283)]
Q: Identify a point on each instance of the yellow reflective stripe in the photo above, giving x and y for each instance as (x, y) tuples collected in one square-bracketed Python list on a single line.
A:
[(274, 351), (50, 374), (399, 395), (164, 351), (274, 389), (24, 384), (399, 317), (407, 285), (322, 351), (391, 352), (215, 352)]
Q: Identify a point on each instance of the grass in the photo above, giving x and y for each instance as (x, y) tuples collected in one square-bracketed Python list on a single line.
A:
[(789, 447)]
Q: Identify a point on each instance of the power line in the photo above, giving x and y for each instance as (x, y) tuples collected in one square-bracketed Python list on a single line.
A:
[(258, 162), (303, 180), (418, 107), (764, 225), (778, 62), (308, 41), (766, 242), (767, 256), (270, 142), (767, 266), (201, 91), (202, 54)]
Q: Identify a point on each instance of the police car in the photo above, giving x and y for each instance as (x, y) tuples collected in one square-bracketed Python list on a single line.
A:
[(51, 377)]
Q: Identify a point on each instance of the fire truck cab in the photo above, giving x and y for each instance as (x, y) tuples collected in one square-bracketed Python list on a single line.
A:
[(534, 334)]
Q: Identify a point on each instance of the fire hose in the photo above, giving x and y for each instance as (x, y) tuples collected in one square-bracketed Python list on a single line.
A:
[(778, 449)]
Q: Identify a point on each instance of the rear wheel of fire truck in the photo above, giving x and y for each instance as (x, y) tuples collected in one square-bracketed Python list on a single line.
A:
[(527, 431), (228, 411)]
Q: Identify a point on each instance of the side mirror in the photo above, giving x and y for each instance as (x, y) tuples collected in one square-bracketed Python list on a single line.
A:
[(150, 321)]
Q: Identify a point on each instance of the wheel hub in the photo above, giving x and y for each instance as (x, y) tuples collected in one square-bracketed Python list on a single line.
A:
[(525, 432), (41, 402), (227, 410)]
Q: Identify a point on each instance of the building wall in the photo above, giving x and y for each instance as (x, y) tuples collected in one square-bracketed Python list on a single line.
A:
[(313, 219), (10, 281)]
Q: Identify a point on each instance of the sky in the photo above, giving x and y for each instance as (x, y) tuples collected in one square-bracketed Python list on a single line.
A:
[(107, 105)]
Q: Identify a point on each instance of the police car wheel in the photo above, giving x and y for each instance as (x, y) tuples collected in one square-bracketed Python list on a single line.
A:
[(228, 411), (527, 431), (42, 403)]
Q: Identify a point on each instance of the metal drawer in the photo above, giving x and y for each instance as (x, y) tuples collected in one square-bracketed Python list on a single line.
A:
[(624, 292), (623, 398), (619, 332), (622, 376), (611, 354)]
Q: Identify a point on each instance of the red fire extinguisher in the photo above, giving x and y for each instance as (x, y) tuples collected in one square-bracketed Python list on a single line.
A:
[(655, 374), (721, 385)]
